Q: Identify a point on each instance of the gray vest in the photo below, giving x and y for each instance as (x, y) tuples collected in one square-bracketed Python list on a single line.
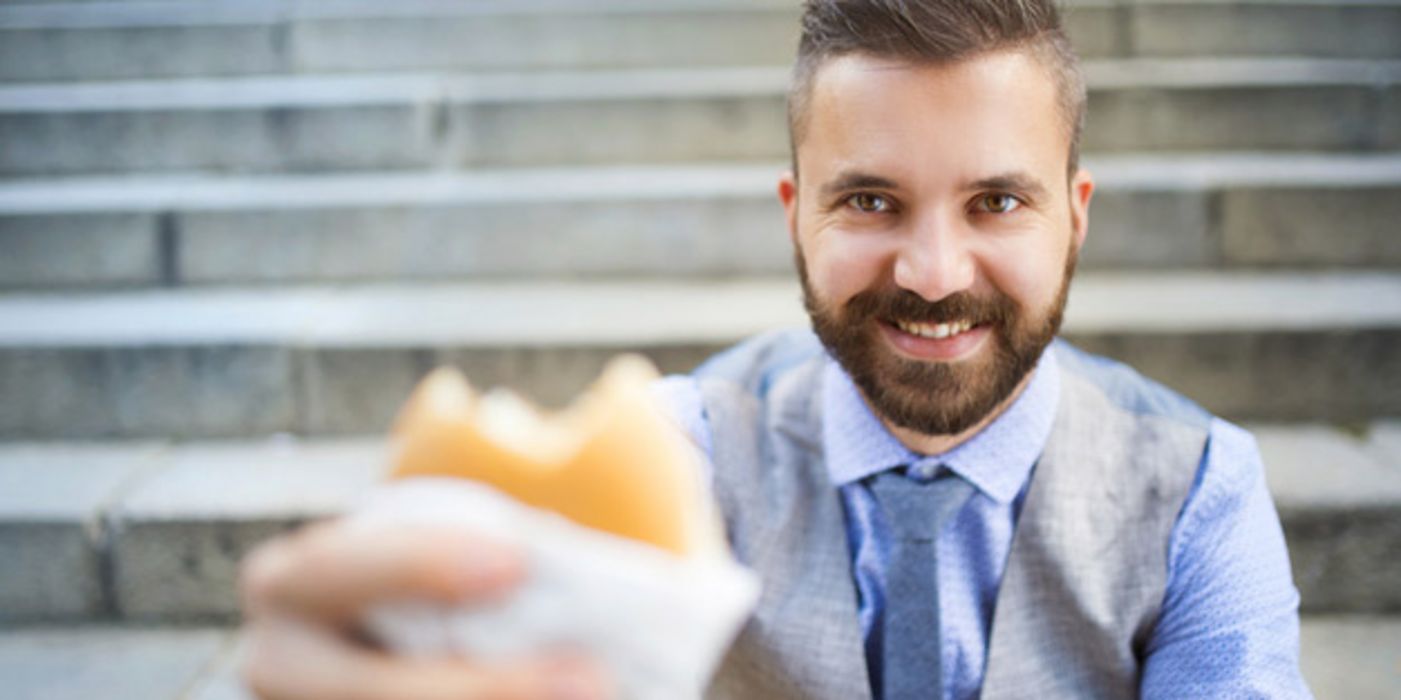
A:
[(1088, 564)]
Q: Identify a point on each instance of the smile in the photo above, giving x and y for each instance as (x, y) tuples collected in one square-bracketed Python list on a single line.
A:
[(936, 342), (937, 331)]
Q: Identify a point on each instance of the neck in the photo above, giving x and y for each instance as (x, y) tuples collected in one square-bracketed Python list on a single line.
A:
[(927, 444)]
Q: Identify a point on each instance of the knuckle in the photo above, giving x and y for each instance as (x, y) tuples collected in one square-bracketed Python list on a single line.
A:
[(263, 571), (273, 564)]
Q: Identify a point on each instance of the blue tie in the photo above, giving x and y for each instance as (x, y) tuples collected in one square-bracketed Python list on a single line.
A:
[(916, 508)]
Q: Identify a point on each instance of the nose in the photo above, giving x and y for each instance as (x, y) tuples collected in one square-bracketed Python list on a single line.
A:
[(934, 260)]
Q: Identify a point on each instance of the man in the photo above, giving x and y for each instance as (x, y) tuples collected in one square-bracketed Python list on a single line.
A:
[(946, 503)]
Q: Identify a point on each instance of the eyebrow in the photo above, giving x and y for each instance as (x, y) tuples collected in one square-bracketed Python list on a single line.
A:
[(1011, 182), (855, 180)]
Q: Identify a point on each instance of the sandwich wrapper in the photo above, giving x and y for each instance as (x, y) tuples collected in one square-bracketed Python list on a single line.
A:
[(659, 620), (659, 623)]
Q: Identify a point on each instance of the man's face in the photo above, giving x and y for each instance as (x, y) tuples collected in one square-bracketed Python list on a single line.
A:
[(935, 229)]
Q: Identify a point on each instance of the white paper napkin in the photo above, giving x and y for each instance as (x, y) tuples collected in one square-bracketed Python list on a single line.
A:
[(659, 622)]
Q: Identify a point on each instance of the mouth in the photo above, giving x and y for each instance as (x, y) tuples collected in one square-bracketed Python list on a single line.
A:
[(935, 331), (947, 341)]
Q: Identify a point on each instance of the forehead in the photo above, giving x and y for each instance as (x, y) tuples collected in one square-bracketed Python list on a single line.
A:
[(992, 113)]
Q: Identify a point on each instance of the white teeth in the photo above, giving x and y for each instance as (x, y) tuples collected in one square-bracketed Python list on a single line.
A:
[(939, 331)]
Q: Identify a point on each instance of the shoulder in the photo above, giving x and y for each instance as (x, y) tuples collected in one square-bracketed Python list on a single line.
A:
[(1230, 486), (754, 365), (1127, 430), (1126, 389), (1227, 471), (731, 384), (1231, 604)]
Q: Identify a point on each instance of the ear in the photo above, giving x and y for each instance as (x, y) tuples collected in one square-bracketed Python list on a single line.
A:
[(1082, 188), (788, 196)]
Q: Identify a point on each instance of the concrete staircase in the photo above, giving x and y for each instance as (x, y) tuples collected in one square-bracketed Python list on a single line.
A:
[(233, 234)]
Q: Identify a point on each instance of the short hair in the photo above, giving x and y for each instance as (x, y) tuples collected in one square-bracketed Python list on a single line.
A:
[(935, 31)]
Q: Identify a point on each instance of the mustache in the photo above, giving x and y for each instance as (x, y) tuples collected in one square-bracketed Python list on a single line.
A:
[(904, 305)]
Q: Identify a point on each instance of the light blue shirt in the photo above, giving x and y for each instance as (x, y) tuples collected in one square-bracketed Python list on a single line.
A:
[(1229, 625)]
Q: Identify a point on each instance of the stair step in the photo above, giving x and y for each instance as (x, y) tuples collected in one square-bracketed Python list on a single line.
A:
[(239, 362), (1339, 497), (1150, 211), (1342, 657), (369, 122), (168, 523), (125, 40), (1351, 657), (120, 663)]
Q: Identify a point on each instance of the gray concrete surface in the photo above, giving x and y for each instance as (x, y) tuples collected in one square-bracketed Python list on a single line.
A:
[(1384, 442), (1390, 136), (153, 390), (1343, 658), (1339, 496), (52, 539), (1286, 226), (1337, 375), (581, 37), (118, 249), (319, 123), (645, 311), (106, 662), (172, 523), (51, 52), (695, 220), (223, 680), (76, 41), (177, 539), (1351, 657), (688, 236), (1338, 29), (237, 362)]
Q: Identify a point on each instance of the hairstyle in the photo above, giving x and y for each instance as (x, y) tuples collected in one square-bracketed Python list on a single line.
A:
[(935, 31)]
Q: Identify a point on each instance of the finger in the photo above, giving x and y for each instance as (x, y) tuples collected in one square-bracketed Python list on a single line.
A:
[(294, 661), (332, 571)]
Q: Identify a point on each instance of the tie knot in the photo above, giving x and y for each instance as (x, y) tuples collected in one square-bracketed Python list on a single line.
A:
[(925, 472), (917, 503)]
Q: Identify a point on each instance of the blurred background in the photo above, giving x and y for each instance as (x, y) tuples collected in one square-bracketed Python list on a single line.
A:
[(234, 234)]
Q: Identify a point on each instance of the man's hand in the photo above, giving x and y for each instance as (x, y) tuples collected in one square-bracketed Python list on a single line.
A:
[(304, 595)]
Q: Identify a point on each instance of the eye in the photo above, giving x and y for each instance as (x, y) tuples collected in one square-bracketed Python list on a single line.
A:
[(870, 203), (998, 203)]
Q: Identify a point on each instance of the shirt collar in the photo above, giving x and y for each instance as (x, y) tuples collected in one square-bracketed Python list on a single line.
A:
[(997, 460)]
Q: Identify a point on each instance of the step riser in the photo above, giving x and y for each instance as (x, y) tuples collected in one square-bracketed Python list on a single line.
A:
[(1323, 117), (230, 391), (197, 392), (55, 54), (52, 571), (293, 139), (556, 40), (428, 134), (569, 40), (1343, 656), (186, 571), (1332, 376), (1230, 227), (1262, 29), (1346, 561)]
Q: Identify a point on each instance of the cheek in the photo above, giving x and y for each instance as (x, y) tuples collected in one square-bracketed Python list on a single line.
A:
[(1030, 278), (841, 266)]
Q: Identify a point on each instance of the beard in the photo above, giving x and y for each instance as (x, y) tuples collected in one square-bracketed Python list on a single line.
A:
[(934, 398)]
